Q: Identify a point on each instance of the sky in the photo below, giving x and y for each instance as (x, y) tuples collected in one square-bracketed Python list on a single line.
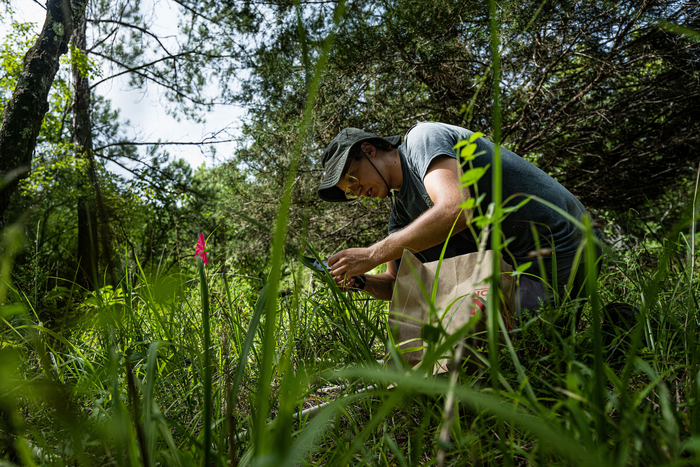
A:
[(148, 120)]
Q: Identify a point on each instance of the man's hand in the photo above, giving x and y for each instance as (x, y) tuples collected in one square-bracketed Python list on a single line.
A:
[(346, 284), (351, 262), (379, 286)]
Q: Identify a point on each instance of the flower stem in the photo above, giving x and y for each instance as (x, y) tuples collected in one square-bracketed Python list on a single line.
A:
[(207, 360)]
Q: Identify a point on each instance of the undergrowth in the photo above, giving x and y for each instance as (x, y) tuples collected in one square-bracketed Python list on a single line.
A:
[(126, 385)]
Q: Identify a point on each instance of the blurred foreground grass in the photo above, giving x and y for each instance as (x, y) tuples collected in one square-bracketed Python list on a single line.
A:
[(124, 382)]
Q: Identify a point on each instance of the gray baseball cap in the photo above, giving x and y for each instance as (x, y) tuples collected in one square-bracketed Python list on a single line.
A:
[(335, 157)]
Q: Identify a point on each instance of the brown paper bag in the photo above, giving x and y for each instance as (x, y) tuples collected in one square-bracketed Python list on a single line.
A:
[(461, 294)]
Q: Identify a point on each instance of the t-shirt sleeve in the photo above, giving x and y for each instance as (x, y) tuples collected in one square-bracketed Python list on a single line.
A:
[(425, 141), (393, 227), (395, 222)]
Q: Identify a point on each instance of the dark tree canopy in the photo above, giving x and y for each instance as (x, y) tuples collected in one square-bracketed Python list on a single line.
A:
[(599, 94), (602, 95)]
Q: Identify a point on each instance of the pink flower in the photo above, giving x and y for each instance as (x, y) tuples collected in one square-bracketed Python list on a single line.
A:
[(201, 245)]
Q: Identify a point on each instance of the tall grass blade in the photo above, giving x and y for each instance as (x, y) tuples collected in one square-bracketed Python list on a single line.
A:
[(248, 343), (544, 427), (493, 301), (207, 362), (268, 347), (136, 414), (433, 296), (599, 381)]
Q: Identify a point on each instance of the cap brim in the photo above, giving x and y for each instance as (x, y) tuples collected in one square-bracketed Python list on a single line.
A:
[(333, 194), (328, 191)]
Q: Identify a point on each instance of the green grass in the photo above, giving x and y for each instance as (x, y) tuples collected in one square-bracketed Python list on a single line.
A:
[(127, 384)]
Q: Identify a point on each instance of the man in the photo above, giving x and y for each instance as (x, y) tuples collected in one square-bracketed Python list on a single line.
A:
[(423, 177)]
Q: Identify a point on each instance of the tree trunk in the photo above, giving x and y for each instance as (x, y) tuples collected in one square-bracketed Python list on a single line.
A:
[(91, 201), (25, 111), (88, 249)]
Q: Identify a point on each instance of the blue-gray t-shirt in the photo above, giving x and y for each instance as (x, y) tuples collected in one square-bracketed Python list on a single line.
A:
[(426, 141)]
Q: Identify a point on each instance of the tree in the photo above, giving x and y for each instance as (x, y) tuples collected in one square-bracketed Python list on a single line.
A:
[(23, 114), (66, 177), (611, 100), (88, 238), (125, 42), (600, 95)]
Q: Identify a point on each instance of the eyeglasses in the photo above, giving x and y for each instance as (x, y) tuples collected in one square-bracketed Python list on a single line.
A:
[(351, 184)]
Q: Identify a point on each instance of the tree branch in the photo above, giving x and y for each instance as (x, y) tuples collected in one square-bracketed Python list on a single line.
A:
[(163, 143)]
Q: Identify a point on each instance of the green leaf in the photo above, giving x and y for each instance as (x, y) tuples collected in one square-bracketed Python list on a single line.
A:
[(521, 268), (475, 136), (481, 221), (471, 176), (467, 153), (430, 333), (468, 204)]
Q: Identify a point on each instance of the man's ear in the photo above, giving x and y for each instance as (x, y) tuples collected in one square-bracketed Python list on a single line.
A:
[(369, 149)]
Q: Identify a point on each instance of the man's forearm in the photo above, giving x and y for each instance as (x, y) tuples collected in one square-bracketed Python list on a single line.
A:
[(427, 231), (430, 229), (442, 183), (380, 286)]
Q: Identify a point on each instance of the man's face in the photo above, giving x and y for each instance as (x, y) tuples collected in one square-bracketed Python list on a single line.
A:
[(362, 179)]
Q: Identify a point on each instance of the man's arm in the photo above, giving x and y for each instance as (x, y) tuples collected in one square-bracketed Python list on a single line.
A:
[(380, 286), (431, 228)]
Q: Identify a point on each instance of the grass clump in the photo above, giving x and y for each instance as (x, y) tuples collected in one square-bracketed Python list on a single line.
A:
[(127, 385)]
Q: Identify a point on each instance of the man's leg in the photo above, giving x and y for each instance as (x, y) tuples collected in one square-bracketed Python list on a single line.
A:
[(529, 294), (533, 292)]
